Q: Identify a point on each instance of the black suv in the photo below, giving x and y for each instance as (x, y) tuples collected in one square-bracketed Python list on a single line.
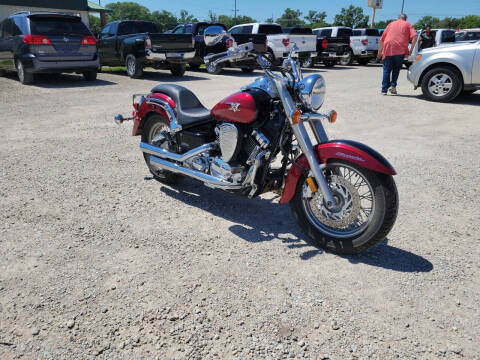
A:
[(46, 42)]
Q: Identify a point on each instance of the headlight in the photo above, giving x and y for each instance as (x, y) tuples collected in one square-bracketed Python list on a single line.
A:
[(311, 91)]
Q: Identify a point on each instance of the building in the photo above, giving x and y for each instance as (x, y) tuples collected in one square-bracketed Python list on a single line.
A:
[(77, 7)]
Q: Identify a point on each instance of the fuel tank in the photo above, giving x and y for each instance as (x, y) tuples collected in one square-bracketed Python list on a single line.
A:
[(242, 107)]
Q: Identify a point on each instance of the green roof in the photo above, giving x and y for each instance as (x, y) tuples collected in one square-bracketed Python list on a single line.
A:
[(95, 7)]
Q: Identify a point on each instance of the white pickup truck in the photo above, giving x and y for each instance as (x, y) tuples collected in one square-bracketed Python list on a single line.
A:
[(364, 44), (279, 43)]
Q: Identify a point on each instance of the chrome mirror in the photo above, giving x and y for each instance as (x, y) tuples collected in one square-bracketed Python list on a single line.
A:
[(213, 35)]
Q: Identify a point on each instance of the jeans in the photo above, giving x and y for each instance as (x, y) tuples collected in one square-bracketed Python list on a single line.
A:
[(391, 66)]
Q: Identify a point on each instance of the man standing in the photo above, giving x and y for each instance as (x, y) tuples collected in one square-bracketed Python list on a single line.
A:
[(426, 39), (393, 48)]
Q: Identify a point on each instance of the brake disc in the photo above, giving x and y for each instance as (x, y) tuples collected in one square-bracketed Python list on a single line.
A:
[(347, 204)]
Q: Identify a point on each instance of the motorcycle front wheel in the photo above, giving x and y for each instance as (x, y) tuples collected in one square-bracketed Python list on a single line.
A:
[(366, 206)]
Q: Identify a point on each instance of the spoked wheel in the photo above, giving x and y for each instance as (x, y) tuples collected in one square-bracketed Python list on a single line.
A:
[(365, 209), (155, 126)]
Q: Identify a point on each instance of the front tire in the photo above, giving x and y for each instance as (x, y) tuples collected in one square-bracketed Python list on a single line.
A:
[(134, 66), (178, 69), (343, 232), (90, 75), (442, 84), (154, 125)]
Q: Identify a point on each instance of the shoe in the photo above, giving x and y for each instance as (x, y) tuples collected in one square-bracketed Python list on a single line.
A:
[(384, 93), (393, 90)]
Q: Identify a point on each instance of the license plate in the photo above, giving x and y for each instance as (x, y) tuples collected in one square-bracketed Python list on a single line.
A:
[(175, 55)]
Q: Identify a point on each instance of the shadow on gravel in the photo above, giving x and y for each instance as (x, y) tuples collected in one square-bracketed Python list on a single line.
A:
[(62, 81), (392, 258), (462, 99), (158, 75)]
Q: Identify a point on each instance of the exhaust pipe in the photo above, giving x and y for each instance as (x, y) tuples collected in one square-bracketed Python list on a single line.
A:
[(165, 154), (161, 164)]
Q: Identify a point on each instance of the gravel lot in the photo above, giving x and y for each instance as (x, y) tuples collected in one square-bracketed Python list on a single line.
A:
[(99, 260)]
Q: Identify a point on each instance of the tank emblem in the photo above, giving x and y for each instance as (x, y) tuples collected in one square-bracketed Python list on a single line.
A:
[(234, 106)]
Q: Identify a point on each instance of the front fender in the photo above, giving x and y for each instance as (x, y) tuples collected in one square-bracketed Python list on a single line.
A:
[(347, 150)]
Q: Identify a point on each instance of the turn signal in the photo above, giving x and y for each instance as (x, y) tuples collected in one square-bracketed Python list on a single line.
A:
[(332, 116), (419, 56), (296, 116)]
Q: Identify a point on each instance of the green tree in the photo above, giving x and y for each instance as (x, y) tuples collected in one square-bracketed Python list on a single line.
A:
[(314, 17), (186, 17), (94, 22), (229, 21), (469, 21), (352, 17), (269, 20), (422, 23), (212, 17), (290, 18), (382, 24), (127, 11), (449, 23), (164, 19)]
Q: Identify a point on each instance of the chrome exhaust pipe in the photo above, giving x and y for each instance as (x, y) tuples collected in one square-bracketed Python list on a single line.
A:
[(210, 180), (165, 154)]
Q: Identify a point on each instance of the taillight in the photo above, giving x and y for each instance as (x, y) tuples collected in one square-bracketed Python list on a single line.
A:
[(229, 43), (36, 39), (365, 42), (286, 41), (324, 43), (88, 40), (148, 43)]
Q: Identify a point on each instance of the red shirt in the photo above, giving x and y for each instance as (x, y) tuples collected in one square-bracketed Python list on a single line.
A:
[(396, 37)]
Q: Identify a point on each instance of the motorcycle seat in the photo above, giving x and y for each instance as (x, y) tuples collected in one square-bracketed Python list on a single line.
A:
[(189, 109)]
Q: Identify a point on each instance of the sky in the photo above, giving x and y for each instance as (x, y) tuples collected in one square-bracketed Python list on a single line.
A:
[(263, 9)]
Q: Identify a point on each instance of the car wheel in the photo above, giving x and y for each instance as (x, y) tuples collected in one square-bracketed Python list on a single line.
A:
[(248, 70), (270, 57), (363, 61), (90, 75), (134, 66), (348, 59), (329, 63), (442, 84), (307, 62), (178, 69), (194, 67), (24, 76)]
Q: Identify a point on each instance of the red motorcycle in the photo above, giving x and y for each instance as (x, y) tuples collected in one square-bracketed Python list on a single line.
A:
[(341, 192)]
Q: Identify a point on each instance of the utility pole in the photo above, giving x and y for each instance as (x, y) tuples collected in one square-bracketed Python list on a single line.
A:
[(235, 12), (373, 18), (403, 3)]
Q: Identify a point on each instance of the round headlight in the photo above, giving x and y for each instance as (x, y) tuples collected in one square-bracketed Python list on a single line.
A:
[(312, 91)]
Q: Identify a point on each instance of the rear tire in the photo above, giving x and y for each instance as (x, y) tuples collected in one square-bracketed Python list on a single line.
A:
[(382, 218), (363, 61), (90, 75), (178, 69), (134, 66), (25, 77), (156, 123), (442, 84), (329, 63), (347, 60)]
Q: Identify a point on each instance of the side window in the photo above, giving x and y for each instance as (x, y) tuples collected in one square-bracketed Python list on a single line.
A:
[(326, 32), (105, 32), (21, 25), (188, 29), (448, 36), (126, 28), (247, 29), (178, 30), (7, 29), (315, 32), (236, 30)]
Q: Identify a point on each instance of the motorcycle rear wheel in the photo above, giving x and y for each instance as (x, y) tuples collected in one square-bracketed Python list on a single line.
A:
[(360, 228), (154, 125)]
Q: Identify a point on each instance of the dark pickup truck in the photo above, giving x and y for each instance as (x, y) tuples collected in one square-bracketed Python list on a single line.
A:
[(201, 50), (330, 49), (137, 44)]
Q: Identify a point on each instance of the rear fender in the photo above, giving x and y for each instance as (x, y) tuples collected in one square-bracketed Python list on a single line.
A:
[(148, 108), (347, 150)]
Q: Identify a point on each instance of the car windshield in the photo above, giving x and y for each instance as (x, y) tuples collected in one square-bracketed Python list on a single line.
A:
[(57, 26), (270, 29)]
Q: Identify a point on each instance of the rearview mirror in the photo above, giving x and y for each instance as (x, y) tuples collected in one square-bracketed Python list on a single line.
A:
[(213, 35)]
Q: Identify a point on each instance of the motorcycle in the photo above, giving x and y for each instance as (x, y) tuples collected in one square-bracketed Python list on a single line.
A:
[(341, 192)]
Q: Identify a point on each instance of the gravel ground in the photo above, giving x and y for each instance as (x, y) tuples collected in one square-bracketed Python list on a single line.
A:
[(99, 260)]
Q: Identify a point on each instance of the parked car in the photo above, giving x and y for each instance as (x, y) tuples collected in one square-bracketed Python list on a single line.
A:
[(338, 38), (441, 36), (364, 44), (334, 48), (47, 42), (279, 44), (306, 42), (445, 71), (467, 35), (136, 44), (201, 50)]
